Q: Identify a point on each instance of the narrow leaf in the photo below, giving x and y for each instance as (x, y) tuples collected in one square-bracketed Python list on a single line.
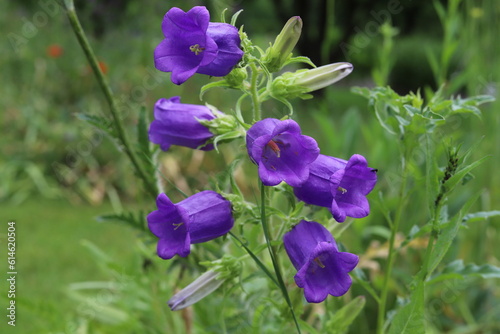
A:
[(409, 319), (344, 317)]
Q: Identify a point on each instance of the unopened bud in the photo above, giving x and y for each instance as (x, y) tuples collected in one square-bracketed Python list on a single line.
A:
[(220, 271), (299, 83), (200, 288), (277, 55)]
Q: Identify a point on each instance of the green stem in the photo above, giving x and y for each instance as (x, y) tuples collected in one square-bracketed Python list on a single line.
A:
[(391, 255), (255, 93), (272, 253), (101, 79)]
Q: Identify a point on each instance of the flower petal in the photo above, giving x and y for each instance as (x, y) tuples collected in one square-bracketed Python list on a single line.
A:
[(227, 41), (210, 215), (324, 273), (303, 238)]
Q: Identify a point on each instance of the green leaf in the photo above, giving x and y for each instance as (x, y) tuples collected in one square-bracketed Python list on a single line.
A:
[(99, 122), (344, 317), (457, 177), (457, 270), (144, 145), (207, 87), (481, 215), (448, 234), (137, 220), (409, 319)]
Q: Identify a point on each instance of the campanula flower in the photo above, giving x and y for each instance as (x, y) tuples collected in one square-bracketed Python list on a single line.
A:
[(201, 217), (339, 185), (192, 45), (178, 123), (280, 151), (321, 268)]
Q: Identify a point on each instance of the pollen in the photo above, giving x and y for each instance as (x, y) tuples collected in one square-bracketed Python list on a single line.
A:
[(274, 146), (342, 190), (177, 225), (318, 262), (196, 49)]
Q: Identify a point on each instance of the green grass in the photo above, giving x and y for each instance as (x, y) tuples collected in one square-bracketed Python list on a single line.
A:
[(50, 256)]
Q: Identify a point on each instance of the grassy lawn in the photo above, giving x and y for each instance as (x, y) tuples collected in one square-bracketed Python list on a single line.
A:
[(50, 255)]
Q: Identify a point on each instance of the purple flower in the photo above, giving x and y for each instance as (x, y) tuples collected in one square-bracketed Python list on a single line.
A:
[(199, 218), (177, 123), (339, 185), (194, 45), (280, 151), (321, 268)]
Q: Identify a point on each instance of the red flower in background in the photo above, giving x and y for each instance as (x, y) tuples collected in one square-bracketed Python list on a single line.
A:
[(54, 51)]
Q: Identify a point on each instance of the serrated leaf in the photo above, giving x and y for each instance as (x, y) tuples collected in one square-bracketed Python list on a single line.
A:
[(136, 221), (99, 122), (409, 319)]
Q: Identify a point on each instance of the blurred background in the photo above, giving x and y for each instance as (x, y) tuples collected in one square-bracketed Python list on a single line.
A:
[(57, 173)]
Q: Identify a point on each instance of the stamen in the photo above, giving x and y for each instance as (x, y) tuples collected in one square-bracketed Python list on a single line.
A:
[(177, 225), (196, 49), (272, 144), (343, 190), (318, 262)]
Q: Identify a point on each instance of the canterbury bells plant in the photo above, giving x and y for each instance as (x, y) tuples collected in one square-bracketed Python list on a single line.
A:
[(253, 224), (282, 154), (281, 230)]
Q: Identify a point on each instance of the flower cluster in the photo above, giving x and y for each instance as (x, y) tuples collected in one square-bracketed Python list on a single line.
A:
[(282, 153)]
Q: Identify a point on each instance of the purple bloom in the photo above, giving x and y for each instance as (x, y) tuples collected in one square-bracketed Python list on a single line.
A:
[(192, 45), (280, 151), (177, 123), (199, 218), (321, 268), (339, 185)]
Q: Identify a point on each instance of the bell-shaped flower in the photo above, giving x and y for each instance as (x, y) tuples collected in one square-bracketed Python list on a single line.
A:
[(339, 185), (321, 268), (201, 217), (192, 45), (178, 123), (280, 151)]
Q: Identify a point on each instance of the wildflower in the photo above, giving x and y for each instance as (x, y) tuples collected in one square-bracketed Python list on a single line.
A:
[(198, 218), (178, 123), (280, 151), (339, 185), (298, 84), (321, 268), (192, 45), (280, 52), (54, 51)]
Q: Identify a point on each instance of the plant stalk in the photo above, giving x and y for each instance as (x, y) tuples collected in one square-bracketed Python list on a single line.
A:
[(104, 85)]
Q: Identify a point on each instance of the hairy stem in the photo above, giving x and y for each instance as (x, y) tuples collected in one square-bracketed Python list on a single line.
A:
[(272, 253), (104, 85)]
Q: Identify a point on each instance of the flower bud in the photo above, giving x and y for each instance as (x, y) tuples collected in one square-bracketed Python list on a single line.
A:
[(277, 55), (200, 288), (299, 83), (220, 271)]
